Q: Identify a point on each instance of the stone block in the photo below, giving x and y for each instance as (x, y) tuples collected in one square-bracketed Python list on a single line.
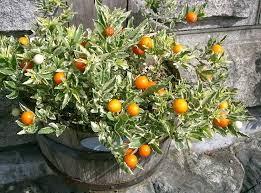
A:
[(243, 48), (225, 13), (17, 15), (22, 163)]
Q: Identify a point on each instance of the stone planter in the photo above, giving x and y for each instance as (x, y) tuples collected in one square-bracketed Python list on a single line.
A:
[(91, 168)]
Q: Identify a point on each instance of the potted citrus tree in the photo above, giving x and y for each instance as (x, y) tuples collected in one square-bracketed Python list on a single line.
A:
[(120, 83)]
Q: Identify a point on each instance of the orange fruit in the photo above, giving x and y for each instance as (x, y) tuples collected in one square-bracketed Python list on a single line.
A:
[(114, 106), (142, 82), (162, 91), (26, 65), (80, 64), (133, 109), (151, 83), (136, 50), (217, 49), (129, 151), (109, 31), (27, 118), (191, 17), (223, 105), (59, 77), (146, 42), (131, 161), (180, 106), (221, 122), (177, 48), (144, 150), (24, 40)]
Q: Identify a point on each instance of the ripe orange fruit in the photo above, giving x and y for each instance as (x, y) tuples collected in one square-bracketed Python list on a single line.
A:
[(133, 109), (221, 122), (146, 42), (217, 49), (26, 65), (142, 82), (177, 48), (151, 83), (136, 50), (180, 106), (131, 161), (191, 17), (144, 150), (114, 106), (129, 151), (162, 91), (109, 31), (59, 77), (27, 118), (80, 64), (223, 105), (24, 40)]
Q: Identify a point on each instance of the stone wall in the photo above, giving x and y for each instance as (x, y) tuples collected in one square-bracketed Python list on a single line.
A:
[(220, 171)]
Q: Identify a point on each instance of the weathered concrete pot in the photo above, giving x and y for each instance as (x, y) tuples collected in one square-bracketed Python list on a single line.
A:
[(95, 170)]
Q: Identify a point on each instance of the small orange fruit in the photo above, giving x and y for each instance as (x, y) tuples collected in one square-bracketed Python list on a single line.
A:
[(221, 122), (133, 109), (136, 50), (223, 105), (144, 150), (131, 161), (80, 64), (109, 31), (27, 118), (114, 106), (24, 40), (26, 65), (142, 82), (152, 83), (180, 106), (177, 48), (162, 91), (217, 49), (146, 42), (129, 151), (191, 17), (59, 77)]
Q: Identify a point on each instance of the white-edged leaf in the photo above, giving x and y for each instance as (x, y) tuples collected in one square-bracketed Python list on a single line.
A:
[(22, 132), (66, 100), (29, 81), (95, 127), (12, 95), (46, 130)]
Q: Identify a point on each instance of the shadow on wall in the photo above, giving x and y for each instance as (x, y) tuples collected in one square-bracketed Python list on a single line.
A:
[(257, 91)]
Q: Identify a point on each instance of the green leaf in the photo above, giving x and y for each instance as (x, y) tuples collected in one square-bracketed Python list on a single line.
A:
[(135, 143), (12, 95), (6, 71), (95, 127), (46, 130), (10, 84), (66, 100), (29, 81)]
